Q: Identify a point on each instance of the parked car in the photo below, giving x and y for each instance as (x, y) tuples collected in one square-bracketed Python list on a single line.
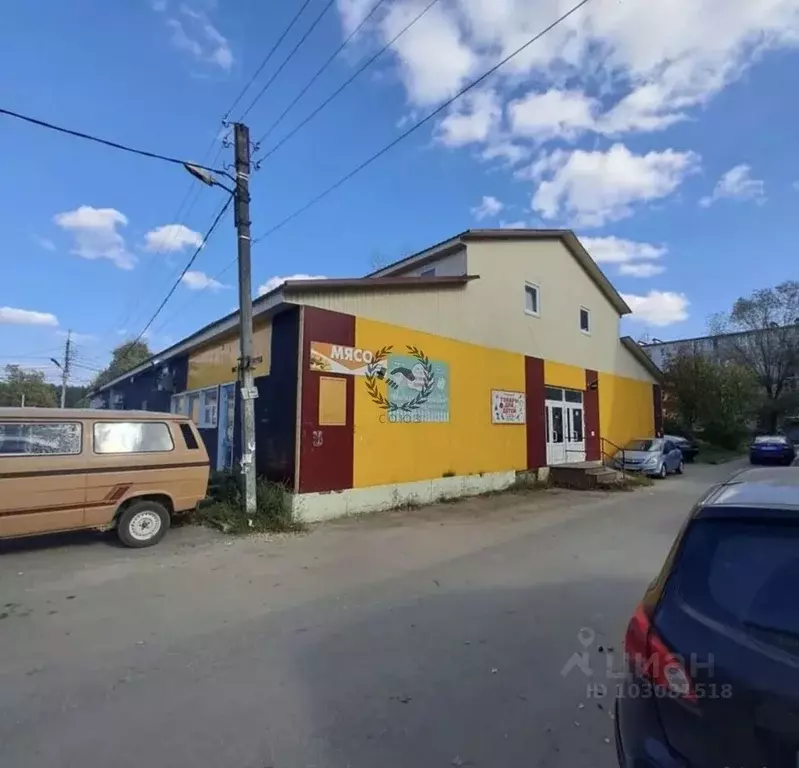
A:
[(653, 456), (688, 447), (712, 651), (69, 469), (772, 449)]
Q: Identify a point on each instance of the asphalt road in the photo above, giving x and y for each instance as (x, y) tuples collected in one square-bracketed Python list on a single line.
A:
[(432, 638)]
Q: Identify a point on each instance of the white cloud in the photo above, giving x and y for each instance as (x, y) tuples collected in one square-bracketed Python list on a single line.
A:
[(520, 224), (195, 34), (612, 68), (737, 184), (172, 237), (96, 235), (505, 150), (44, 242), (595, 187), (13, 316), (275, 282), (475, 119), (615, 250), (199, 281), (659, 308), (550, 115), (644, 269), (433, 57), (489, 207)]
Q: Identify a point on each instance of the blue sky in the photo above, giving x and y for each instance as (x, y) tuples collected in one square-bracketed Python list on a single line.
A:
[(662, 133)]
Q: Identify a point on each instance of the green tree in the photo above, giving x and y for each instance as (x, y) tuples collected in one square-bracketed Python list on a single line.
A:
[(30, 383), (123, 358), (717, 397), (764, 340)]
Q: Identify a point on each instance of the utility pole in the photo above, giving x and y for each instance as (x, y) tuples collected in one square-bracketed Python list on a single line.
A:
[(241, 147), (65, 368)]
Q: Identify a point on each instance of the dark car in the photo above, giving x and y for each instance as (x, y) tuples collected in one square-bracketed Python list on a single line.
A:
[(772, 449), (688, 447), (712, 651)]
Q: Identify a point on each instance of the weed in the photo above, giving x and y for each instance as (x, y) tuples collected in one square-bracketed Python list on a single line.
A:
[(226, 512)]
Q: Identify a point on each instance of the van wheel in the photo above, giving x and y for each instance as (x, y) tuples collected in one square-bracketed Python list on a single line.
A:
[(143, 524)]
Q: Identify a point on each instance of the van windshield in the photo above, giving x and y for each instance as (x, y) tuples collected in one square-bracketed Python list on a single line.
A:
[(744, 575)]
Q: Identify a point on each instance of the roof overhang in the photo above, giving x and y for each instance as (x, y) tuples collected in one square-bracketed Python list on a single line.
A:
[(285, 295)]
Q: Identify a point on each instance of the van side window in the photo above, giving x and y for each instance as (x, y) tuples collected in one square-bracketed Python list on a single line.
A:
[(40, 438), (188, 437), (132, 437)]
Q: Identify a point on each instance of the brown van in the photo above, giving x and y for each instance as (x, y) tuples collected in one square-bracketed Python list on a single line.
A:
[(67, 469)]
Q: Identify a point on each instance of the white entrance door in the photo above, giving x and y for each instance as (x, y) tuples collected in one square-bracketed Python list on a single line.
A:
[(575, 433), (556, 427)]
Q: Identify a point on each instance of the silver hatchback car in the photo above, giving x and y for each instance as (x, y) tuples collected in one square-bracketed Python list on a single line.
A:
[(653, 456)]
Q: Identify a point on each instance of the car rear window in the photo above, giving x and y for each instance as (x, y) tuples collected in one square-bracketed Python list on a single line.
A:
[(188, 437), (744, 575), (770, 440)]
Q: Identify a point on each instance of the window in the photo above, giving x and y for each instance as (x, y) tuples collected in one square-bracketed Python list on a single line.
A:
[(553, 393), (585, 320), (200, 405), (179, 405), (209, 399), (37, 439), (132, 437), (188, 436), (531, 299), (742, 575), (573, 396), (428, 273), (577, 425)]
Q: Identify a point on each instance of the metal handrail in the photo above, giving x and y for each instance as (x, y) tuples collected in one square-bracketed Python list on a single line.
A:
[(604, 453)]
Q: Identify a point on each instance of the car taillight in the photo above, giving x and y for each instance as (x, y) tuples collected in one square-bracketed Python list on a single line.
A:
[(648, 657)]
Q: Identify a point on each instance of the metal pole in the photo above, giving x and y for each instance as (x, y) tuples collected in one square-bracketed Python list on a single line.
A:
[(245, 364), (65, 370)]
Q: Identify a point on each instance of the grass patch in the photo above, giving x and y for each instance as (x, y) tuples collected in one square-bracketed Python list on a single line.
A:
[(225, 511)]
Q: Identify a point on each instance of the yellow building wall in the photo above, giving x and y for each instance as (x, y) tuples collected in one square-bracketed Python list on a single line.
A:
[(562, 375), (215, 363), (387, 453), (626, 408)]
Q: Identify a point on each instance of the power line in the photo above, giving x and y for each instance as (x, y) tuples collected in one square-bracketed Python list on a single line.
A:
[(194, 189), (346, 83), (415, 127), (196, 253), (267, 58), (106, 142), (407, 133), (321, 69), (288, 58)]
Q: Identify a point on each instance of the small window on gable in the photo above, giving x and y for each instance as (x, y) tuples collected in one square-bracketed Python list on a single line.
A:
[(428, 273), (532, 304), (585, 320)]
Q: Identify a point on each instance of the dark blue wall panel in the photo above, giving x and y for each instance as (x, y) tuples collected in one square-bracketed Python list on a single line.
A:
[(275, 408)]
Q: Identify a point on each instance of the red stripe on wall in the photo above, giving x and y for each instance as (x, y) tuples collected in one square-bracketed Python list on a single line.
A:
[(534, 399), (593, 448), (657, 405), (326, 453)]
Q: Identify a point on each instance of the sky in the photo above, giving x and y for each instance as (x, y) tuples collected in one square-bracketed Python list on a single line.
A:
[(661, 131)]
